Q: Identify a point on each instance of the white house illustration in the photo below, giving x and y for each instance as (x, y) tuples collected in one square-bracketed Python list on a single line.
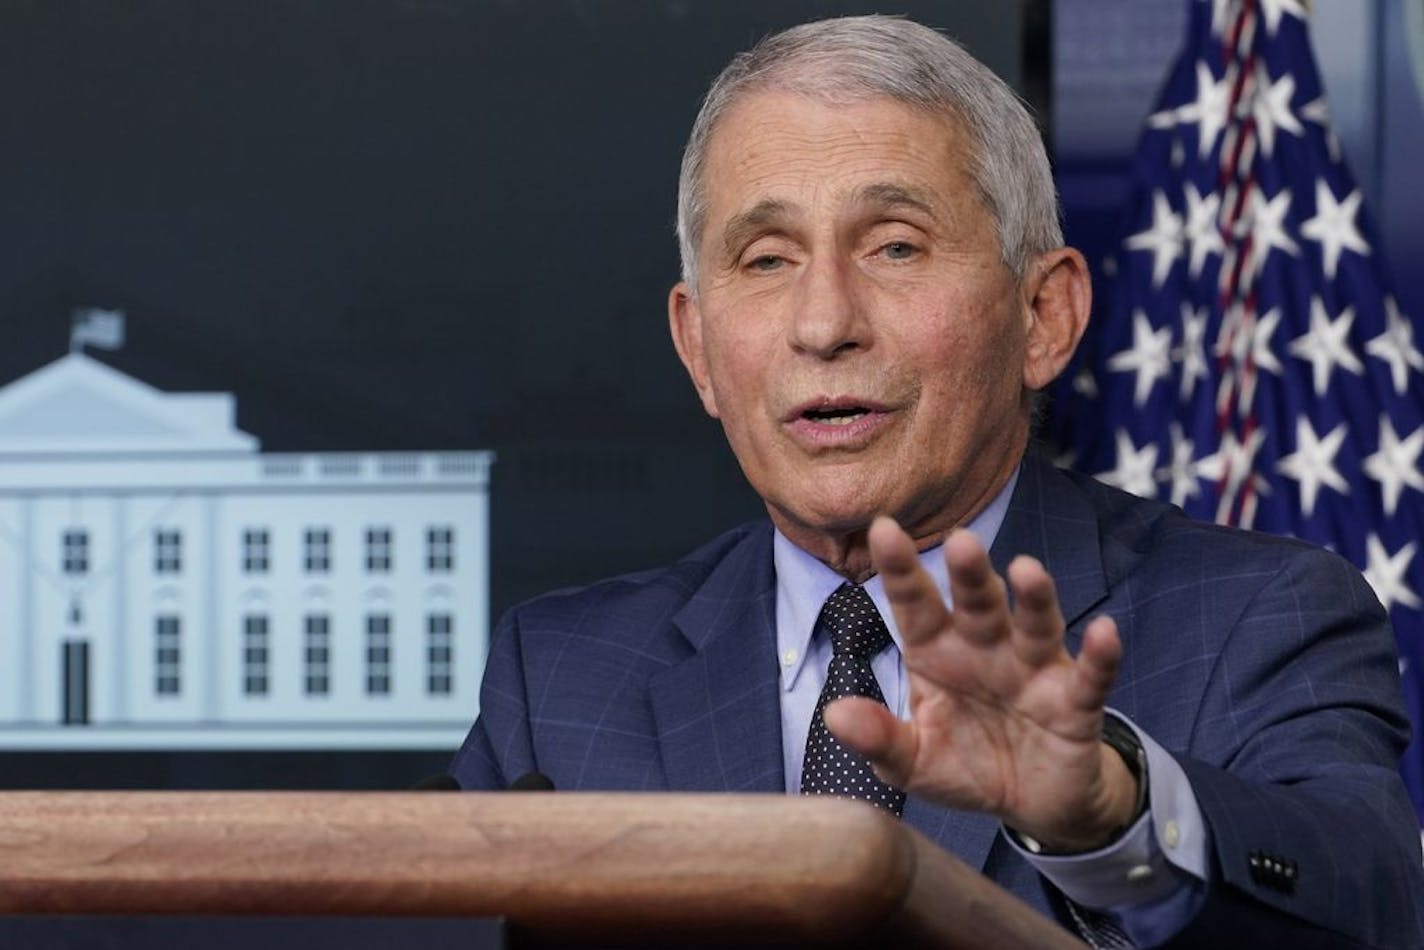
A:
[(165, 584)]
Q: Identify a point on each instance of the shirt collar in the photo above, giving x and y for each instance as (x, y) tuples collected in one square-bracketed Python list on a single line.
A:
[(803, 583)]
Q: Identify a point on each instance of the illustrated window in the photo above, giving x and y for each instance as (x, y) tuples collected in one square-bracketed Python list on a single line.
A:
[(440, 549), (167, 657), (316, 545), (439, 654), (255, 655), (317, 654), (378, 550), (378, 654), (167, 551), (256, 543)]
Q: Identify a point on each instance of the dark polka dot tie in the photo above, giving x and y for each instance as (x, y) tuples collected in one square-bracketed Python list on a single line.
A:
[(857, 633)]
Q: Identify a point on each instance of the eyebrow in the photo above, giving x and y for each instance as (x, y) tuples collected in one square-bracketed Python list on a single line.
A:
[(760, 217)]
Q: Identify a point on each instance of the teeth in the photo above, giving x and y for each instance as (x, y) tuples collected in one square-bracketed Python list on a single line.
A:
[(841, 418)]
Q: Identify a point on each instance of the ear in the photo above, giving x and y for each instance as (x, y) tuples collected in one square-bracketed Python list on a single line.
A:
[(1058, 297), (685, 322)]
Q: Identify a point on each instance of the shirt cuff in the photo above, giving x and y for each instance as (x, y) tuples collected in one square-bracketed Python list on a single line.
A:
[(1164, 852)]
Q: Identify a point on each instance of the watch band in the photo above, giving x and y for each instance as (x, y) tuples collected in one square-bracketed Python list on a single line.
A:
[(1124, 742)]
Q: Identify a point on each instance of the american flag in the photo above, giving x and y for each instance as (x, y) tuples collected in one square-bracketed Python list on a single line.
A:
[(1250, 362)]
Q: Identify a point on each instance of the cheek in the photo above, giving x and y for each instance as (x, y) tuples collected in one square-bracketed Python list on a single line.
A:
[(741, 344), (737, 372), (972, 372)]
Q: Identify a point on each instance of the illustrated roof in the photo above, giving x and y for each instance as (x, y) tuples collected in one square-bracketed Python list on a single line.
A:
[(79, 405)]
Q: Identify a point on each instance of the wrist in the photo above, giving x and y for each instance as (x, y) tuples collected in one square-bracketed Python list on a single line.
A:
[(1120, 799)]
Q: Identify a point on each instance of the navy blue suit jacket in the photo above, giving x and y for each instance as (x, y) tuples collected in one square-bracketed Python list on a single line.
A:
[(1265, 666)]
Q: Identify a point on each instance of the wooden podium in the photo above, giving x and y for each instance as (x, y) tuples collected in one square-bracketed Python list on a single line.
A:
[(563, 870)]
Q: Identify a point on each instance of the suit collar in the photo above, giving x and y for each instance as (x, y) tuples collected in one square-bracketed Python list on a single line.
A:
[(718, 712)]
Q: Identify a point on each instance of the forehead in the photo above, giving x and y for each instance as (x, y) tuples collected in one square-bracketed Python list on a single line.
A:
[(783, 147)]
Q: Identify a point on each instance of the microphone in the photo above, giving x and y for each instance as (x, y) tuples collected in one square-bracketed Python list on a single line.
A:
[(532, 782), (440, 782)]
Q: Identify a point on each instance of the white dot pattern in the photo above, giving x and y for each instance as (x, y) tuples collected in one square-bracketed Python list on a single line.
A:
[(857, 633)]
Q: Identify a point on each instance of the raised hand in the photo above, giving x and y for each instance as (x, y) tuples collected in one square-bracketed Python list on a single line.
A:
[(1002, 718)]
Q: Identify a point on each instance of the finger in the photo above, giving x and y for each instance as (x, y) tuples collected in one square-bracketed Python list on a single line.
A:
[(919, 609), (1038, 622), (1097, 665), (872, 730), (981, 606)]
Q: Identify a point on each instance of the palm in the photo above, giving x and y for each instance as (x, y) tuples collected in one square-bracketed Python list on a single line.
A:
[(999, 751), (1002, 719)]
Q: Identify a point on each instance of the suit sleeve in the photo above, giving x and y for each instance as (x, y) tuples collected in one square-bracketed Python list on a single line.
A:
[(498, 748), (1294, 764)]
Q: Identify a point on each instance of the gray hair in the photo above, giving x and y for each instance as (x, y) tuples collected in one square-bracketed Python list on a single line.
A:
[(852, 59)]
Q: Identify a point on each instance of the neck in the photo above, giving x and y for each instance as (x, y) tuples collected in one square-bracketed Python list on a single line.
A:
[(847, 552)]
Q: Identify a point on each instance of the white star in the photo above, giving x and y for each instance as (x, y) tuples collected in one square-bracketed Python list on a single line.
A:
[(1181, 470), (1334, 226), (1395, 464), (1149, 356), (1233, 460), (1319, 113), (1327, 345), (1313, 462), (1274, 8), (1231, 466), (1133, 469), (1396, 346), (1191, 352), (1266, 225), (1085, 384), (1208, 110), (1163, 238), (1261, 353), (1248, 346), (1201, 230), (1271, 108), (1219, 11), (1386, 573)]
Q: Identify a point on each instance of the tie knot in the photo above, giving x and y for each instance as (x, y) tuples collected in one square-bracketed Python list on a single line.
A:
[(853, 623)]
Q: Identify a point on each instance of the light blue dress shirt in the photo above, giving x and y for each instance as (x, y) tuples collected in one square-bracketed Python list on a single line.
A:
[(1151, 880)]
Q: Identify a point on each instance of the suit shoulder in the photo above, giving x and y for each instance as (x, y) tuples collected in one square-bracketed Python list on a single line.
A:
[(1137, 527), (646, 594)]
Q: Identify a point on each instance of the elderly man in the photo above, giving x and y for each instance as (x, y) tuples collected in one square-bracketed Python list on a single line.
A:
[(1155, 729)]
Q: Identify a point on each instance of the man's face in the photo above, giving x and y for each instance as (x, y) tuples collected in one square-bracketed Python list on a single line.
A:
[(855, 329)]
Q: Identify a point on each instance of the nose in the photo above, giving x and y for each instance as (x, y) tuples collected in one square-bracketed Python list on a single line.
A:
[(828, 319)]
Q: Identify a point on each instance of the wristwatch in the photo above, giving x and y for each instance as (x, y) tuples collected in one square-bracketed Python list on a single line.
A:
[(1124, 742)]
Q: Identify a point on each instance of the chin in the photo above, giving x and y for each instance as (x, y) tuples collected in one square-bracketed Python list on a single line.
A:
[(831, 517)]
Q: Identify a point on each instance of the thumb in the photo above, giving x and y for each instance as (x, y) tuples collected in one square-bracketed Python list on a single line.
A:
[(872, 730)]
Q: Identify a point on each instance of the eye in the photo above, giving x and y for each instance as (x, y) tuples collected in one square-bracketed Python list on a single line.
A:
[(766, 262), (899, 250)]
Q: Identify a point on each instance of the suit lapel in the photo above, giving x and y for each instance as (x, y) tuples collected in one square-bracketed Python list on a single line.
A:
[(718, 712), (1050, 519)]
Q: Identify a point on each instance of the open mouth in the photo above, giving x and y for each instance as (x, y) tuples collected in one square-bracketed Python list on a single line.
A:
[(838, 416)]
